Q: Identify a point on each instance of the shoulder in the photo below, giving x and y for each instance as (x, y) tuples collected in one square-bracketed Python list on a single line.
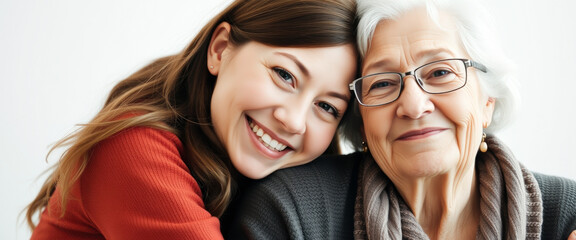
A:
[(559, 199), (324, 169), (139, 158), (326, 178), (135, 137), (327, 175), (311, 201), (142, 151), (139, 146), (142, 157), (138, 175)]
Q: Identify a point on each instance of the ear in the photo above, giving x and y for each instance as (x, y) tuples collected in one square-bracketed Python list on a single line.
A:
[(488, 112), (218, 43)]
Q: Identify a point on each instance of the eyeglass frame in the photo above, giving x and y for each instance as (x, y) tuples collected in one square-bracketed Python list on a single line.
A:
[(467, 63)]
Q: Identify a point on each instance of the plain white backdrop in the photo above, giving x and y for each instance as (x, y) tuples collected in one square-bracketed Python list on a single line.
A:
[(59, 59)]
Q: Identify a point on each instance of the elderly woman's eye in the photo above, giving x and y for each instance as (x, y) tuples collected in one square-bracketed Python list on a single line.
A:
[(381, 84), (440, 73), (439, 76), (284, 75)]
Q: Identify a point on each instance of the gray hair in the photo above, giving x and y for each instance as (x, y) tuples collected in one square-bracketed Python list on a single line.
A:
[(475, 28)]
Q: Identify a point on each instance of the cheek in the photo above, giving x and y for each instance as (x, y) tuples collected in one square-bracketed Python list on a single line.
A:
[(377, 126), (318, 138), (377, 122), (243, 93), (217, 106), (463, 108)]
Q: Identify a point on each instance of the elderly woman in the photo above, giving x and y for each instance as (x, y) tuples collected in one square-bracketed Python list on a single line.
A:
[(433, 92)]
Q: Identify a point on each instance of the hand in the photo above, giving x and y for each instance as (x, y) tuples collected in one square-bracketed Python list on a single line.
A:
[(572, 236)]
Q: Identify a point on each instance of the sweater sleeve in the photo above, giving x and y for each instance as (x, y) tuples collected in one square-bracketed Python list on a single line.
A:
[(559, 198), (136, 186), (312, 201)]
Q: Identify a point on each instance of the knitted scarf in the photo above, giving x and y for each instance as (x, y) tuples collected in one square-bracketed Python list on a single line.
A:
[(510, 204)]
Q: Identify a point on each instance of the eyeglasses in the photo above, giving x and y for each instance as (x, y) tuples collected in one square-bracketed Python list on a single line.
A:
[(437, 77)]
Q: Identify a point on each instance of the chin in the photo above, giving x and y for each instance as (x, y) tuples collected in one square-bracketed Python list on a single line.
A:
[(425, 168), (252, 172), (256, 175)]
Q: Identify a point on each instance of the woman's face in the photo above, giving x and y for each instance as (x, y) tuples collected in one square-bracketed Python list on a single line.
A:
[(421, 134), (276, 107)]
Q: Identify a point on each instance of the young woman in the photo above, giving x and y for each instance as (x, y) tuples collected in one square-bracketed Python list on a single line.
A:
[(263, 86)]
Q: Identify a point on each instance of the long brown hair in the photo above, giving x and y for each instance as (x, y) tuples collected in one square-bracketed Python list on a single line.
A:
[(173, 93)]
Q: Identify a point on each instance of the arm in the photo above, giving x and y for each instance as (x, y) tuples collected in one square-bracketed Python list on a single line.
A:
[(313, 201), (136, 186)]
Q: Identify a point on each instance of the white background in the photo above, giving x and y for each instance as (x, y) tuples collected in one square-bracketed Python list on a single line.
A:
[(59, 59)]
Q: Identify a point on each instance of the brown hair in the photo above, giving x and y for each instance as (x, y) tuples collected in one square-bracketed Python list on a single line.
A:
[(173, 93)]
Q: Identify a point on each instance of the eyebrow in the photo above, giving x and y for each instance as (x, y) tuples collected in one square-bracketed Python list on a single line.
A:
[(431, 53), (426, 54), (344, 97), (301, 66), (378, 64)]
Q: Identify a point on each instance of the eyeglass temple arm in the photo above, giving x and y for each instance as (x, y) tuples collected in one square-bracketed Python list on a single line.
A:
[(476, 65)]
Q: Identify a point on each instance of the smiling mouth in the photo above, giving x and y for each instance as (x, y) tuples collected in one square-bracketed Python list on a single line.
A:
[(265, 138), (417, 134)]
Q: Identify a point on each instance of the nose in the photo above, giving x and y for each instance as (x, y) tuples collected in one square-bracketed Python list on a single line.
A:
[(293, 116), (413, 103)]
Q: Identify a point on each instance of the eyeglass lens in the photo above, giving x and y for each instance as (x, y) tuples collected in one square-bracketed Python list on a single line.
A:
[(436, 77)]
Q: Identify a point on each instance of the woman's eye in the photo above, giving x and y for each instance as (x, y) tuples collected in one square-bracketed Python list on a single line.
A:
[(329, 109), (285, 76), (380, 84), (440, 73)]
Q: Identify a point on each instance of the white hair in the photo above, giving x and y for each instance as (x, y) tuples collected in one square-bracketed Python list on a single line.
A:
[(476, 32)]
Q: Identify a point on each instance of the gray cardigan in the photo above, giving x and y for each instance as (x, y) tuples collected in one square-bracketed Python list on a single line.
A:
[(316, 201)]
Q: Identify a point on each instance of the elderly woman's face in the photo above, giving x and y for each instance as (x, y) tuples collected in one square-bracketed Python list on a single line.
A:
[(422, 134)]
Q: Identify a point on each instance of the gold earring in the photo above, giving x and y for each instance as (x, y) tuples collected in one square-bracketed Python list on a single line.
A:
[(483, 144), (364, 147)]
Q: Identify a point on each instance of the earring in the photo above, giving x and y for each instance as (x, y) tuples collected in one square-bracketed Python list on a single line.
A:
[(483, 144), (211, 67), (364, 147)]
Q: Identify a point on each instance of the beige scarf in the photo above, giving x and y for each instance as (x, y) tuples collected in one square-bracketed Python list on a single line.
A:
[(511, 203)]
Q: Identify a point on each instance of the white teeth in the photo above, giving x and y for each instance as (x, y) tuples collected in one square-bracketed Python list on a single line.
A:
[(266, 138), (272, 144)]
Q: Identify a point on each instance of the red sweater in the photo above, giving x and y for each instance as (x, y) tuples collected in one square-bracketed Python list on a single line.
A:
[(135, 186)]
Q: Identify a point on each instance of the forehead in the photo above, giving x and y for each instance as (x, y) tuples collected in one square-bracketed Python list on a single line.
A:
[(415, 37)]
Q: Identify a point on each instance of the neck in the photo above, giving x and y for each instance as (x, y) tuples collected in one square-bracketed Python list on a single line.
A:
[(444, 203)]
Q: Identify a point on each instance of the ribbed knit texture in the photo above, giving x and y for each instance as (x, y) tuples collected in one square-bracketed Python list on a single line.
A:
[(510, 201), (135, 186), (559, 197), (301, 202), (278, 207)]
